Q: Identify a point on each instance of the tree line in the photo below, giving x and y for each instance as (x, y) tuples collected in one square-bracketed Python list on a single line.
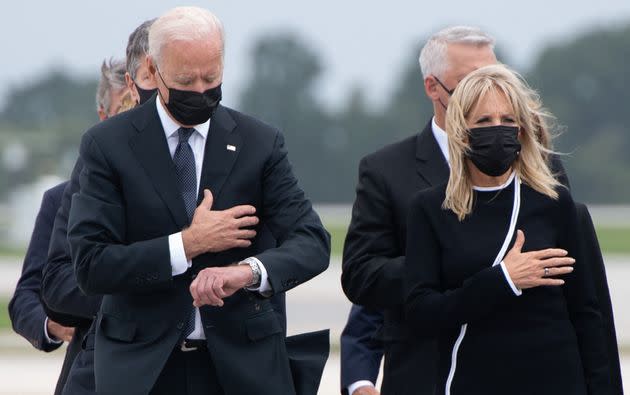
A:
[(583, 82)]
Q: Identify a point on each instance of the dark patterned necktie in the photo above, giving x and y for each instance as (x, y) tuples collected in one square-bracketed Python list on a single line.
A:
[(184, 160)]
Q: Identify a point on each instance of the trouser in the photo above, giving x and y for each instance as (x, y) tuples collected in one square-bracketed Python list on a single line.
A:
[(188, 373)]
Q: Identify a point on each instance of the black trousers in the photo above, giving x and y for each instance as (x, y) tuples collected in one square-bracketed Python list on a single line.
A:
[(188, 373)]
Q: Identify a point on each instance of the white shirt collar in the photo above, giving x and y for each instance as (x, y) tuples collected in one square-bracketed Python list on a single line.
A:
[(498, 187), (441, 138), (170, 127)]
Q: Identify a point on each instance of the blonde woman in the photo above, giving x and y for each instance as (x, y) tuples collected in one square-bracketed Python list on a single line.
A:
[(490, 256)]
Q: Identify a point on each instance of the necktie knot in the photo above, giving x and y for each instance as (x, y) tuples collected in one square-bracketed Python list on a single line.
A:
[(184, 134)]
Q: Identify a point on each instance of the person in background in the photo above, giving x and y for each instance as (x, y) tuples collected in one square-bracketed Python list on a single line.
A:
[(29, 317), (111, 88), (140, 82)]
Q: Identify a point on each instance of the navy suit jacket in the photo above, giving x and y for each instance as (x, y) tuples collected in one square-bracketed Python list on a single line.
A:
[(361, 349), (25, 309)]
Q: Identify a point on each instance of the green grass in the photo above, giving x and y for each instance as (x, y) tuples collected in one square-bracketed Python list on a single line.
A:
[(5, 323), (12, 252), (338, 236), (613, 240)]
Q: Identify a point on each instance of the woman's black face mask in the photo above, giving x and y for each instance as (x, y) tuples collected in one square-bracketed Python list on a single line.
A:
[(493, 149)]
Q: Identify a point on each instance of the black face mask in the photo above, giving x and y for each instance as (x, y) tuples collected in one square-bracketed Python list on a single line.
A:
[(145, 94), (493, 149), (190, 107)]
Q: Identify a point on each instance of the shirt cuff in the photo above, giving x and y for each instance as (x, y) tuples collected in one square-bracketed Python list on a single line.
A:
[(358, 384), (179, 263), (516, 291), (47, 337), (265, 287)]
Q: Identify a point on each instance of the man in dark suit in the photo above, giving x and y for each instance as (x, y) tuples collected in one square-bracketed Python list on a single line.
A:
[(179, 201), (28, 317), (375, 244), (61, 292)]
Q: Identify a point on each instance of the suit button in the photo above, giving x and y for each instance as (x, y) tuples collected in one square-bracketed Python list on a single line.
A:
[(257, 307), (180, 325)]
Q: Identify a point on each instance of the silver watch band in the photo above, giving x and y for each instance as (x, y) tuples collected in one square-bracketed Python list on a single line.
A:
[(256, 273)]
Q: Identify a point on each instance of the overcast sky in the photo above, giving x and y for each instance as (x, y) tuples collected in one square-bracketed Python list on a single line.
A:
[(361, 41)]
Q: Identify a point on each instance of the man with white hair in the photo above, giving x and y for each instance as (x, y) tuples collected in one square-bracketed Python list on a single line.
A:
[(374, 249), (188, 219), (111, 88)]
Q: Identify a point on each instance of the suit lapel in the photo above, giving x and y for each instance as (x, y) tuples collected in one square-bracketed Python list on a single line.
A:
[(430, 162), (151, 149), (223, 146)]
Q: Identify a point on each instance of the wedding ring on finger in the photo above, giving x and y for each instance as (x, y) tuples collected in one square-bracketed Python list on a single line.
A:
[(546, 272)]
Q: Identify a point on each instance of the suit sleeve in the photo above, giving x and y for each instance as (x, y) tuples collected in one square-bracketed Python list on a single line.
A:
[(582, 303), (60, 290), (590, 250), (25, 308), (372, 256), (104, 264), (361, 351), (303, 249), (430, 307)]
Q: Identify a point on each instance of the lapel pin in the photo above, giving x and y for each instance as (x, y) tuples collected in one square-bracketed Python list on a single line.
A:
[(231, 147)]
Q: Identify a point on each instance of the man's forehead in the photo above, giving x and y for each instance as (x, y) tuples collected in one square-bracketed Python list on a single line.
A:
[(463, 59)]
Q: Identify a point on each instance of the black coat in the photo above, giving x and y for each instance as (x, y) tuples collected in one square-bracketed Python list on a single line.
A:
[(128, 204), (374, 253)]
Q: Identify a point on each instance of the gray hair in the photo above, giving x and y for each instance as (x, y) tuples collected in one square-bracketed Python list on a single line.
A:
[(112, 80), (138, 47), (433, 59), (186, 24)]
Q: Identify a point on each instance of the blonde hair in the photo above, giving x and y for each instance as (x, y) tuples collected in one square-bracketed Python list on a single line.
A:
[(531, 165)]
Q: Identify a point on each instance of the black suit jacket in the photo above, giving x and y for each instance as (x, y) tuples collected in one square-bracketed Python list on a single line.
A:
[(128, 204), (71, 307), (374, 253)]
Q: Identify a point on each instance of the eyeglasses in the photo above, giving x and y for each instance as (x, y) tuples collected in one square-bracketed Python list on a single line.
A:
[(449, 91)]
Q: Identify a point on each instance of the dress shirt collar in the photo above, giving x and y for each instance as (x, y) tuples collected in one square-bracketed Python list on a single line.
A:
[(170, 127), (441, 138)]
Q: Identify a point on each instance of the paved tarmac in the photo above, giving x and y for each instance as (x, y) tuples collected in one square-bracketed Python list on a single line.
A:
[(315, 305)]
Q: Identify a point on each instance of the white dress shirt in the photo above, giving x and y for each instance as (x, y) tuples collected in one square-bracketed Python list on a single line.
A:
[(179, 263), (442, 139), (47, 335)]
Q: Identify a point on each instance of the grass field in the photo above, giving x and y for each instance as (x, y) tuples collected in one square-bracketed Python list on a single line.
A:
[(612, 240), (5, 323)]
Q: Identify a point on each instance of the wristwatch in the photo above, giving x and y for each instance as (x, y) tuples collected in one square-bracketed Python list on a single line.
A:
[(256, 273)]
